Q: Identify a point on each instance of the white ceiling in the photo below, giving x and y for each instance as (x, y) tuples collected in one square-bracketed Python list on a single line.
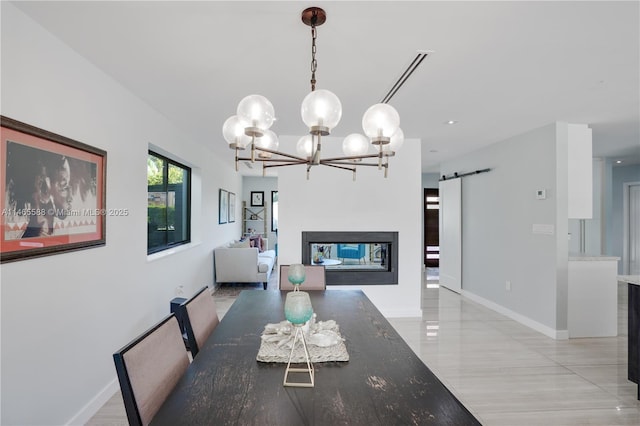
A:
[(499, 68)]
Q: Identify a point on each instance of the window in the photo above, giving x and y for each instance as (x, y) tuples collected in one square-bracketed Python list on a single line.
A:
[(169, 203), (274, 211)]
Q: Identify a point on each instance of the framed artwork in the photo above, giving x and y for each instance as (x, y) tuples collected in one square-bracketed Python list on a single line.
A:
[(54, 198), (232, 207), (223, 207), (257, 199)]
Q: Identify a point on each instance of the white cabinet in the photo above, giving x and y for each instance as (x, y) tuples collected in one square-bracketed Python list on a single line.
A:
[(593, 296), (593, 228)]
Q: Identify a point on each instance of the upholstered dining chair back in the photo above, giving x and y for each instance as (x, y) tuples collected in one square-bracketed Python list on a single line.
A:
[(315, 278), (200, 317), (148, 369)]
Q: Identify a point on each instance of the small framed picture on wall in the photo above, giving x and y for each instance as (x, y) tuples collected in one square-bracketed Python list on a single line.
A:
[(223, 205), (257, 199)]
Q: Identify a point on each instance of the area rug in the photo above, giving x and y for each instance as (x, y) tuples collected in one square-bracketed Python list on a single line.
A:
[(233, 290)]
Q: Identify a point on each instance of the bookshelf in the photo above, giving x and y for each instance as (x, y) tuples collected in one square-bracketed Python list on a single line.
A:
[(254, 218)]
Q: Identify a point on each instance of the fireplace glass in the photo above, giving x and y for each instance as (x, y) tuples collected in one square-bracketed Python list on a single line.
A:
[(353, 258)]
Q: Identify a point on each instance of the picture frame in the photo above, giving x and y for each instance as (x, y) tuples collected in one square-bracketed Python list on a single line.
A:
[(257, 199), (254, 217), (223, 206), (232, 207), (54, 193), (274, 211)]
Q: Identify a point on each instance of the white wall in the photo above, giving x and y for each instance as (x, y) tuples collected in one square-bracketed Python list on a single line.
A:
[(63, 316), (499, 209), (331, 201), (430, 180)]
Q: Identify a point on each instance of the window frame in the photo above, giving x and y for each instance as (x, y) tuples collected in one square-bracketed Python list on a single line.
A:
[(164, 187)]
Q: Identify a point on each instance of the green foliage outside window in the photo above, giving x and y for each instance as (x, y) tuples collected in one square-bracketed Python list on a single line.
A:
[(155, 172)]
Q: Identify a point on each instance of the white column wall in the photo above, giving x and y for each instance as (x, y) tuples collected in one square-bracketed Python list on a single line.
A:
[(331, 201)]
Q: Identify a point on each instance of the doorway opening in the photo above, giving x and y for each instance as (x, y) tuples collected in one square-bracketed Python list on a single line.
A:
[(431, 252)]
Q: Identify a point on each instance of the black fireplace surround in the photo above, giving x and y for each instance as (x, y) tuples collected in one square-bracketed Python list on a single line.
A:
[(386, 271)]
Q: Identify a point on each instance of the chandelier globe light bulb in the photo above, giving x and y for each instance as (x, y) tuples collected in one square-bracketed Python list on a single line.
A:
[(269, 140), (396, 141), (380, 120), (321, 108), (233, 132), (256, 111), (304, 147), (355, 144)]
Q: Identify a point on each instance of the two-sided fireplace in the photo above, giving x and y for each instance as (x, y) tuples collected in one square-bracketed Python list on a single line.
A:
[(353, 258)]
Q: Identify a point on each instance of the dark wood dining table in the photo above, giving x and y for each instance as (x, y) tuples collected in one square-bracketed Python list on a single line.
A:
[(383, 383)]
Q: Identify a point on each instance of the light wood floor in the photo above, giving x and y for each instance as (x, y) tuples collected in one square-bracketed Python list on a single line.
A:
[(503, 372)]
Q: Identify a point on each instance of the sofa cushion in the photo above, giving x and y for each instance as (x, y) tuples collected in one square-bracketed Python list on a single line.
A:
[(240, 244), (268, 254), (258, 242)]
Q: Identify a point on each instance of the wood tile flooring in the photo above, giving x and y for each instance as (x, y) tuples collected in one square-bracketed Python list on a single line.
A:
[(504, 373)]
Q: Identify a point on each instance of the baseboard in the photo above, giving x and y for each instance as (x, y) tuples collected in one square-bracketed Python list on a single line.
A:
[(541, 328), (96, 403)]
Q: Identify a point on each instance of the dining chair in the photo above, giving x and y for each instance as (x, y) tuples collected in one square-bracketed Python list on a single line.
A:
[(315, 278), (148, 369), (200, 317)]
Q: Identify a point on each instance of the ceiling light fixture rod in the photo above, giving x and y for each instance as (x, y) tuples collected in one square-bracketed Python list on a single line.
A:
[(403, 78)]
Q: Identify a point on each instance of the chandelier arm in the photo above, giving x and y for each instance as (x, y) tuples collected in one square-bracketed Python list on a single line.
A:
[(328, 163), (315, 154), (236, 158), (352, 157), (351, 169), (283, 154), (281, 165), (276, 160), (253, 147)]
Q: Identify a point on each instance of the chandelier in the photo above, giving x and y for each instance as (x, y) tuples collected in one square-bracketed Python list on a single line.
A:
[(321, 111)]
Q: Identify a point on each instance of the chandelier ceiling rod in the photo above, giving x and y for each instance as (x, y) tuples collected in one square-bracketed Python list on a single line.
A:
[(321, 111)]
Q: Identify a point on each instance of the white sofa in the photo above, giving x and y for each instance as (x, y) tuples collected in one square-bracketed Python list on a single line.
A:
[(243, 264)]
